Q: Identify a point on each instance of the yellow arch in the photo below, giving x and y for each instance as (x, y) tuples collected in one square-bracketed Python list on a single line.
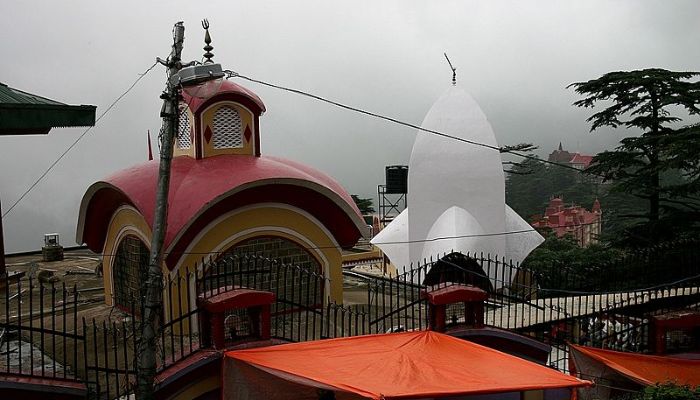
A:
[(270, 219), (125, 221), (267, 219)]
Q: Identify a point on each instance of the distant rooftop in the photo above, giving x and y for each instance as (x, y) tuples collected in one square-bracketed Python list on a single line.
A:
[(576, 160)]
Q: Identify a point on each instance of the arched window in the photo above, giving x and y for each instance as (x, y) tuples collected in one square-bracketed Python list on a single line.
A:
[(129, 272), (228, 128), (184, 140), (279, 249), (272, 264)]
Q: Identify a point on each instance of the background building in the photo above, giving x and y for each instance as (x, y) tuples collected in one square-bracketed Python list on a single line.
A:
[(583, 225), (576, 160)]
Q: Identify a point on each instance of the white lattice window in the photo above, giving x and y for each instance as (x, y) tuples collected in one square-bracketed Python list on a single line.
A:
[(184, 140), (227, 128)]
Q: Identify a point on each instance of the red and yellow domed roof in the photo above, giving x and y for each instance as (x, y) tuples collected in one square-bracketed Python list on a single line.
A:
[(207, 182)]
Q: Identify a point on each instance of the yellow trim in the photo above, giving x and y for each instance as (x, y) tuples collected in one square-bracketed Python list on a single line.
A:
[(240, 225), (207, 118), (128, 221), (270, 220), (125, 221)]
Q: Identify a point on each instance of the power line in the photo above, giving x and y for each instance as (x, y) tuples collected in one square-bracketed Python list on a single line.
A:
[(296, 91), (393, 242), (482, 234), (141, 76), (231, 74), (435, 239)]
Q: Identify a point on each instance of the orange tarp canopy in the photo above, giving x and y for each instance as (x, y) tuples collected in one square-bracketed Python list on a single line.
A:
[(404, 366), (641, 368)]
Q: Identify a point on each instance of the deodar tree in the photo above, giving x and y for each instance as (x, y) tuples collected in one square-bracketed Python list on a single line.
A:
[(660, 163)]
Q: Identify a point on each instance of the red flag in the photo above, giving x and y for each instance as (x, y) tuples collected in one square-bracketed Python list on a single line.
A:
[(150, 150)]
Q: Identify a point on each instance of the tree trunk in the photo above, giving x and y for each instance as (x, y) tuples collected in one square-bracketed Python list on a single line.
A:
[(654, 178), (3, 269)]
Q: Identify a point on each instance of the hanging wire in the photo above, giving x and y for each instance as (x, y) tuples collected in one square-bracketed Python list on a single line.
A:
[(434, 239), (427, 240), (107, 110), (454, 70), (232, 74)]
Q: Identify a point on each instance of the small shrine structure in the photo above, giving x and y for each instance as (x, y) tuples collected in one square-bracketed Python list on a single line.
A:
[(225, 197)]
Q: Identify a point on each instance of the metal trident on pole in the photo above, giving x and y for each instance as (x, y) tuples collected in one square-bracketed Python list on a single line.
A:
[(454, 70)]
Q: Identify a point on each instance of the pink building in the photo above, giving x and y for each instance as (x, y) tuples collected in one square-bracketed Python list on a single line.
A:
[(573, 220)]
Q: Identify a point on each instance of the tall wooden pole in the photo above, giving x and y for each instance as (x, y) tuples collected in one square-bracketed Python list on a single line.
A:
[(153, 288), (3, 269)]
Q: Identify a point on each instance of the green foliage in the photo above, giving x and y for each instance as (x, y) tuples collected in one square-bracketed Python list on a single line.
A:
[(643, 100), (562, 264), (531, 183), (667, 391), (618, 207), (365, 205)]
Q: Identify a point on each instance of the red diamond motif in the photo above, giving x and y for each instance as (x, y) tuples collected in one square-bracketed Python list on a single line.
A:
[(247, 133), (207, 134)]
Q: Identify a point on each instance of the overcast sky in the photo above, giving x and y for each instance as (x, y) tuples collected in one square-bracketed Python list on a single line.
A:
[(515, 57)]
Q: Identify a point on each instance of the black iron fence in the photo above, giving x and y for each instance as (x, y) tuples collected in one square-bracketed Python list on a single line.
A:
[(665, 263), (109, 357), (39, 335), (297, 313), (54, 331), (57, 332), (611, 307)]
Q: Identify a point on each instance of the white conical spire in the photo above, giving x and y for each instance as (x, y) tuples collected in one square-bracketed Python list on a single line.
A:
[(456, 191)]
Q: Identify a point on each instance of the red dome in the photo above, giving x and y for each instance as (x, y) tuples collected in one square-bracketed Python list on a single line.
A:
[(227, 90), (202, 190)]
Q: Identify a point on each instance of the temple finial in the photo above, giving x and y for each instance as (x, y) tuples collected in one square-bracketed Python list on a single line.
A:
[(454, 70), (207, 40)]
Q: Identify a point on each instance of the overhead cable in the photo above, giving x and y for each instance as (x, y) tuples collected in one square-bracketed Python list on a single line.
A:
[(232, 74), (108, 109), (434, 239)]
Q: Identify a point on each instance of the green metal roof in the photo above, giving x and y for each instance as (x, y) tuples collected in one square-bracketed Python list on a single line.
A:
[(23, 113)]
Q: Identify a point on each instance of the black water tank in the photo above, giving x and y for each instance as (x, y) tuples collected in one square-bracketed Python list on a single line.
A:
[(397, 179)]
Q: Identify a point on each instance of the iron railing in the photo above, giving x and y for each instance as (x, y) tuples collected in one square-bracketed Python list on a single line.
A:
[(39, 330), (55, 331)]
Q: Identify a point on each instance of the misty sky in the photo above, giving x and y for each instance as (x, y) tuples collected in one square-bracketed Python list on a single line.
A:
[(515, 57)]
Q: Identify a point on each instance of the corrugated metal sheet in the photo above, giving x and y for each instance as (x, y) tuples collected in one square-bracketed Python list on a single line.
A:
[(23, 113), (10, 95)]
